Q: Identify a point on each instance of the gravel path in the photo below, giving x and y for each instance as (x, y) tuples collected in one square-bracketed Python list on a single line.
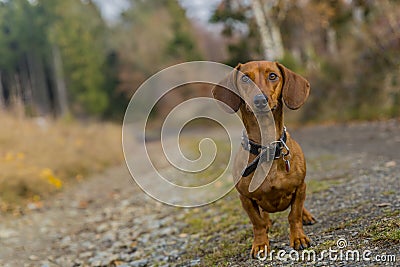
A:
[(108, 221)]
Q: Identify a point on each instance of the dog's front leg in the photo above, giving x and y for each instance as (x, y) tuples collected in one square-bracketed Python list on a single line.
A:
[(298, 240), (260, 227)]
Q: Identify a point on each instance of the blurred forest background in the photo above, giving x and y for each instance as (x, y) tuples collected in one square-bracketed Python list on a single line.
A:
[(63, 62), (63, 58)]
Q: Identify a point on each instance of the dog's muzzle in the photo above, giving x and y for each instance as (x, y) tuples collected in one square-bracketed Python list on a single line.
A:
[(260, 102)]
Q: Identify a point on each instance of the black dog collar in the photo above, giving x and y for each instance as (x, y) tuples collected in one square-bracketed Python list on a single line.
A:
[(264, 153)]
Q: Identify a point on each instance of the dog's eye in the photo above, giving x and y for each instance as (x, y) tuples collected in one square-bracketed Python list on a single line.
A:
[(245, 78), (272, 76)]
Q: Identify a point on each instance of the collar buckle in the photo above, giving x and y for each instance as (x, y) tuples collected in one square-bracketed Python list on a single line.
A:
[(275, 150)]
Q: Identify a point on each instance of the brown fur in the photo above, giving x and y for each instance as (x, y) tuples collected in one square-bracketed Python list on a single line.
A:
[(280, 189)]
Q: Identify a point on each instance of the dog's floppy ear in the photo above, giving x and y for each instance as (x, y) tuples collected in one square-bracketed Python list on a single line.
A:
[(295, 88), (226, 91)]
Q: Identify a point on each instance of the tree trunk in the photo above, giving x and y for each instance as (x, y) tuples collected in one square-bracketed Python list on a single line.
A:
[(16, 97), (26, 84), (40, 92), (331, 41), (61, 99), (270, 34), (2, 100), (263, 30), (274, 29)]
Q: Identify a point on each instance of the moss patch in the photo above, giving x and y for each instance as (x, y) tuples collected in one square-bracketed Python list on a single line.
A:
[(224, 231), (384, 230), (342, 225), (315, 186)]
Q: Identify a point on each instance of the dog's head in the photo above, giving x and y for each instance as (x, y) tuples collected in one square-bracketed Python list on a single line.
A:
[(262, 84)]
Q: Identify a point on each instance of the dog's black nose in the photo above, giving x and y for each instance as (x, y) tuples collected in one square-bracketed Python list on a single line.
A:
[(260, 101)]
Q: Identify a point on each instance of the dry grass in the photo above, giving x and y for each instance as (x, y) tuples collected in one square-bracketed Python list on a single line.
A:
[(39, 157)]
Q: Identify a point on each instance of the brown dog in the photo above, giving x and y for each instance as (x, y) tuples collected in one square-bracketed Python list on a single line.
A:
[(284, 184)]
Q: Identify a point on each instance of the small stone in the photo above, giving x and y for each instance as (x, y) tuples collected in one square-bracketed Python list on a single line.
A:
[(34, 205), (96, 264), (113, 258), (88, 245), (174, 253), (78, 262), (390, 164), (7, 233), (44, 230), (183, 235), (125, 203), (160, 258), (381, 205), (126, 256), (102, 228), (86, 254), (139, 263), (66, 239), (168, 231), (33, 258), (195, 262), (64, 261), (109, 237)]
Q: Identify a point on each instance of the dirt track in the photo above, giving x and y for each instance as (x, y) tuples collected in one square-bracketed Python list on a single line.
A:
[(353, 171)]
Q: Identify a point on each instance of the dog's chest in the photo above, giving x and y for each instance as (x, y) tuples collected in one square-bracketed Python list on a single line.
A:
[(275, 194), (279, 183)]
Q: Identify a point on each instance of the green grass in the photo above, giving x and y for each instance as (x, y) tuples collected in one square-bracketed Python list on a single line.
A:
[(342, 225), (386, 229), (316, 186), (325, 245), (388, 193)]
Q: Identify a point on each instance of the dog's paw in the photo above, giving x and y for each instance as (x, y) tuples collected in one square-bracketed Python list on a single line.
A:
[(260, 250), (299, 241), (308, 219)]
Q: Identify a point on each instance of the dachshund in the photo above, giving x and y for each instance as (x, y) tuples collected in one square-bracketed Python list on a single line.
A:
[(284, 184)]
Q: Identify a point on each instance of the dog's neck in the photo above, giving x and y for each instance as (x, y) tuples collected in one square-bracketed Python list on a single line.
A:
[(253, 129)]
